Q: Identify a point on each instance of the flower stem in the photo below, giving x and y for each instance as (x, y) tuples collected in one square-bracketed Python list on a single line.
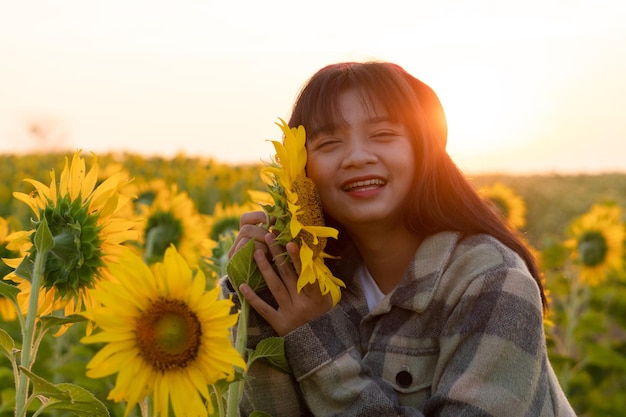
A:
[(235, 390), (576, 299), (28, 334)]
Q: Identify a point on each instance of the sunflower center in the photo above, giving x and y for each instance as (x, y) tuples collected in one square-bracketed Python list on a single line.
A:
[(168, 334), (592, 249), (145, 198), (311, 213), (163, 229), (223, 226)]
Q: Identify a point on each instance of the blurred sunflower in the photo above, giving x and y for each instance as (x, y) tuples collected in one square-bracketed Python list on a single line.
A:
[(87, 234), (507, 203), (132, 188), (169, 218), (597, 242), (7, 250), (165, 335), (147, 191), (298, 211), (225, 218), (224, 226)]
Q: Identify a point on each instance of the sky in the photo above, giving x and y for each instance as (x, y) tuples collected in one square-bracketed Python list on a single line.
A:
[(528, 87)]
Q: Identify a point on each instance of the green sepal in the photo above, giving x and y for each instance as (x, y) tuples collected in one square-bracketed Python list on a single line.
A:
[(272, 349), (44, 240), (25, 268), (243, 269), (7, 344)]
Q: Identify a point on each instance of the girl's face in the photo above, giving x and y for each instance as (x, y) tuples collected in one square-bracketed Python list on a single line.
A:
[(363, 172)]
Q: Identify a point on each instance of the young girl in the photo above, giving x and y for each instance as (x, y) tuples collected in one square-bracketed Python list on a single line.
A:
[(442, 310)]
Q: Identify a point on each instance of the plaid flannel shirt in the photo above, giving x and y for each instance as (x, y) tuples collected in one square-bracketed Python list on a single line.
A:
[(461, 335)]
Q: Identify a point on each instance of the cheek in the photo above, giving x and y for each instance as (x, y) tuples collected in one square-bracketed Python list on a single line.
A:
[(406, 166), (321, 178), (315, 170)]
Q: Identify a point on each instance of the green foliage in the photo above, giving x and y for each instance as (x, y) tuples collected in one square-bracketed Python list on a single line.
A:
[(242, 269)]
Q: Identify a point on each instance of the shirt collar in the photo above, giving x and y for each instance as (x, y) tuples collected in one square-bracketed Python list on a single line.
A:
[(418, 285)]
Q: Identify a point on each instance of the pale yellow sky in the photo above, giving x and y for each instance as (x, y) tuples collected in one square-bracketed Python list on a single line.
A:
[(534, 86)]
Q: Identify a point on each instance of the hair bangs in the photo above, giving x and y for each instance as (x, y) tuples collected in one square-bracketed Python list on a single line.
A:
[(382, 89)]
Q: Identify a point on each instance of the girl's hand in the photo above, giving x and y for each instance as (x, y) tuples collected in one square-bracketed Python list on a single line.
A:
[(294, 310), (252, 226)]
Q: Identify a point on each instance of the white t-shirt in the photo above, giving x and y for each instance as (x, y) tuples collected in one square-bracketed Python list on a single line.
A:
[(373, 294)]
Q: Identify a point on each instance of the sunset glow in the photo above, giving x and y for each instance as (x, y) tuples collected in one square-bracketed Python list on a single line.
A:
[(534, 87)]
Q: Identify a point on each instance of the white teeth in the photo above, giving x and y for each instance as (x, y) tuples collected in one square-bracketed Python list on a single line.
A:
[(366, 183)]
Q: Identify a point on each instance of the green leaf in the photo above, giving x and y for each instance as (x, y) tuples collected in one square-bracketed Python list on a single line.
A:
[(43, 237), (43, 387), (10, 291), (271, 349), (7, 344), (50, 321), (67, 397), (7, 401), (606, 357), (82, 402), (260, 414), (242, 269)]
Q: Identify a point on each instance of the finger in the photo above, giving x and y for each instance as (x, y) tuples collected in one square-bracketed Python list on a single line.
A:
[(241, 241), (276, 250), (274, 282), (264, 309), (294, 253), (253, 217), (246, 233), (282, 261)]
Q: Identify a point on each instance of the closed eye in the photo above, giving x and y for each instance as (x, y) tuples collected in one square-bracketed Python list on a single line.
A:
[(385, 134), (324, 142)]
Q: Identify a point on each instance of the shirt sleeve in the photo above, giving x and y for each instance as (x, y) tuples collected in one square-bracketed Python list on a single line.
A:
[(493, 357)]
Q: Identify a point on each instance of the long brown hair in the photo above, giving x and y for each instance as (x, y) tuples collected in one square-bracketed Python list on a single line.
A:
[(443, 198)]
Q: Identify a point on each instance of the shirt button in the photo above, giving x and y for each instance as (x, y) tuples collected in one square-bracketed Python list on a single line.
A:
[(404, 379)]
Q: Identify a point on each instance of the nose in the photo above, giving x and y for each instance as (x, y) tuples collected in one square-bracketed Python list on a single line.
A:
[(358, 154)]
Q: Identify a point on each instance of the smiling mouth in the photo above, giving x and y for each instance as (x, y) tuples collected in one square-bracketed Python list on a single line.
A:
[(364, 185)]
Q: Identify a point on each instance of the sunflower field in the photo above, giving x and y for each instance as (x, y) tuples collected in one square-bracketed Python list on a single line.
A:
[(182, 214)]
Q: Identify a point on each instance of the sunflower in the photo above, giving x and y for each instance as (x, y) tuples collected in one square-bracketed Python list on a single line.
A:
[(298, 211), (7, 250), (224, 226), (165, 335), (596, 241), (88, 235), (507, 203), (170, 217), (225, 218)]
